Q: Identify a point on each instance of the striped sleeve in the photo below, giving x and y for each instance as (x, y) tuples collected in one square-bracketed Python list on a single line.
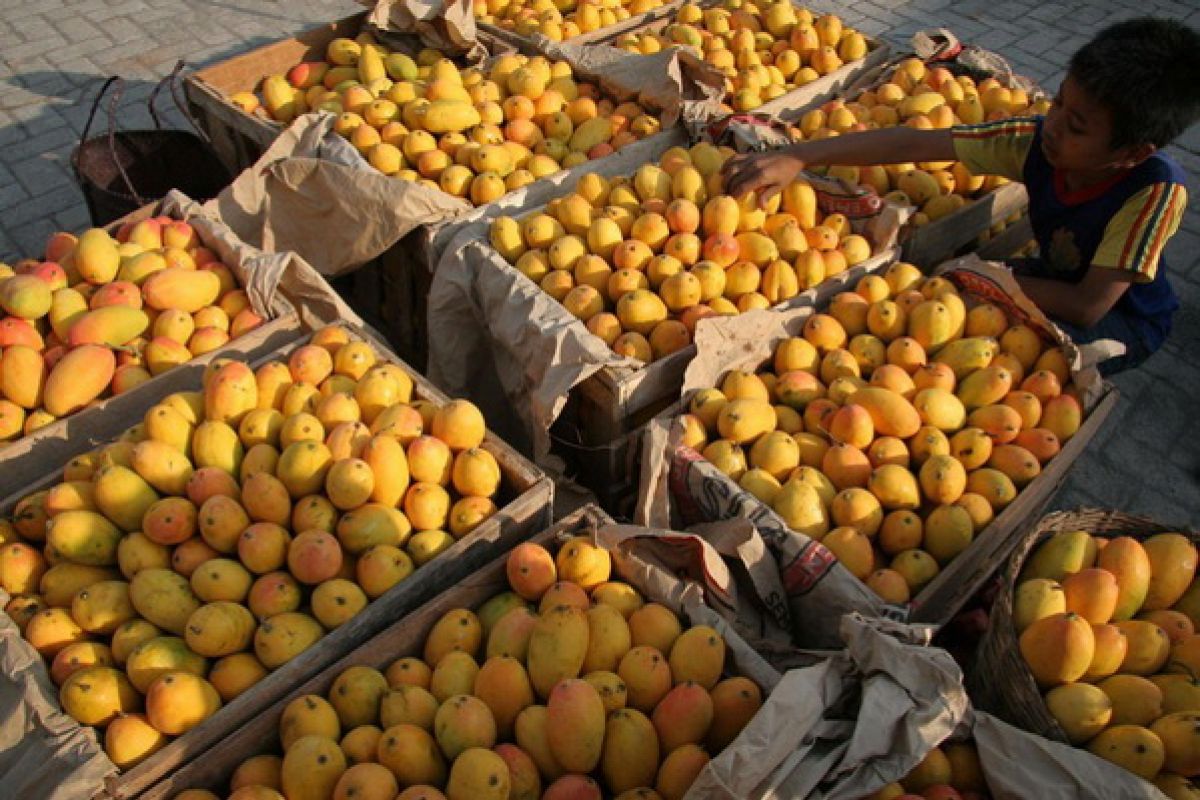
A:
[(995, 148), (1134, 238)]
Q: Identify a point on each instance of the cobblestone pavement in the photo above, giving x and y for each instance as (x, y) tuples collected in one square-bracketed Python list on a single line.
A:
[(55, 52)]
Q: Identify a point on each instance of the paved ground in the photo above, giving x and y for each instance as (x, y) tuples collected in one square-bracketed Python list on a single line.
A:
[(56, 51)]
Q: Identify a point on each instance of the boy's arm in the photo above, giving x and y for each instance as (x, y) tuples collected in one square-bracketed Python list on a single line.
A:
[(767, 173), (1082, 304)]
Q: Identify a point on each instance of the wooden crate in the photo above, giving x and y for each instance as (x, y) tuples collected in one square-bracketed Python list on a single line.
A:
[(405, 638), (240, 138), (59, 441), (794, 102), (527, 45), (525, 508)]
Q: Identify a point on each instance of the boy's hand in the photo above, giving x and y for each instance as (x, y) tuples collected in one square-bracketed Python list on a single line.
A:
[(765, 173)]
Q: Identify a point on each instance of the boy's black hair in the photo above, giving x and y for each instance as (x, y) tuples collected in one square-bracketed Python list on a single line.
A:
[(1146, 72)]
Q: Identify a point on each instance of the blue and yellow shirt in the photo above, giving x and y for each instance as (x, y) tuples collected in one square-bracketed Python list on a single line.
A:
[(1123, 223)]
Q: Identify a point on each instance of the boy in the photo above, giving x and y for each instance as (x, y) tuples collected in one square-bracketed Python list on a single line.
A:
[(1103, 199)]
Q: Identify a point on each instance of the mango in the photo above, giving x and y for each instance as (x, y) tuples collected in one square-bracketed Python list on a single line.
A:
[(679, 770), (1132, 747), (51, 630), (26, 296), (232, 675), (1064, 553), (231, 394), (164, 598), (96, 257), (356, 694), (965, 356), (557, 647), (735, 701), (1180, 736), (103, 607), (647, 677), (1058, 648), (575, 725), (96, 695), (308, 715), (1092, 594), (23, 376), (1035, 599), (311, 768), (216, 444), (1172, 565), (112, 326), (630, 752), (1081, 710), (284, 636), (158, 656), (220, 629), (412, 755), (130, 739), (61, 582), (459, 630), (463, 722), (1148, 647), (503, 684), (1129, 563), (78, 378), (478, 773), (608, 639), (683, 716), (406, 704), (83, 537), (525, 783), (510, 635), (891, 413), (187, 290), (66, 307)]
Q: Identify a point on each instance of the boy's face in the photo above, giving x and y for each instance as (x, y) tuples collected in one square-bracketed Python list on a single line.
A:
[(1077, 134)]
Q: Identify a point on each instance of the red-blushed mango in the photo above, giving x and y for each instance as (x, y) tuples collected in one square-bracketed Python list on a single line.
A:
[(631, 751), (575, 725), (230, 394), (179, 701), (1092, 594), (735, 701), (180, 288), (78, 378), (683, 716), (679, 770), (524, 781), (573, 787), (510, 635)]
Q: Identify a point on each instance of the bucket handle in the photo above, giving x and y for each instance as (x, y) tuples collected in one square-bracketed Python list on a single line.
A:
[(172, 81), (114, 80)]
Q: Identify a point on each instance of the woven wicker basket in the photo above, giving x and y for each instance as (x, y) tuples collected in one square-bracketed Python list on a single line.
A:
[(1000, 682)]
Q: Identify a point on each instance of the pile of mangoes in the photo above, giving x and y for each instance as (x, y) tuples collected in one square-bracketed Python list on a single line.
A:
[(764, 49), (895, 427), (569, 685), (1107, 627), (641, 259), (564, 19), (472, 132), (100, 315), (232, 528)]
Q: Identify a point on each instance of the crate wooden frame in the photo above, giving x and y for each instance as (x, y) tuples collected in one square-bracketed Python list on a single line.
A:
[(528, 511)]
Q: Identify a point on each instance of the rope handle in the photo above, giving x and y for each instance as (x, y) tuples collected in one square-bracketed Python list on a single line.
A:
[(118, 92)]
